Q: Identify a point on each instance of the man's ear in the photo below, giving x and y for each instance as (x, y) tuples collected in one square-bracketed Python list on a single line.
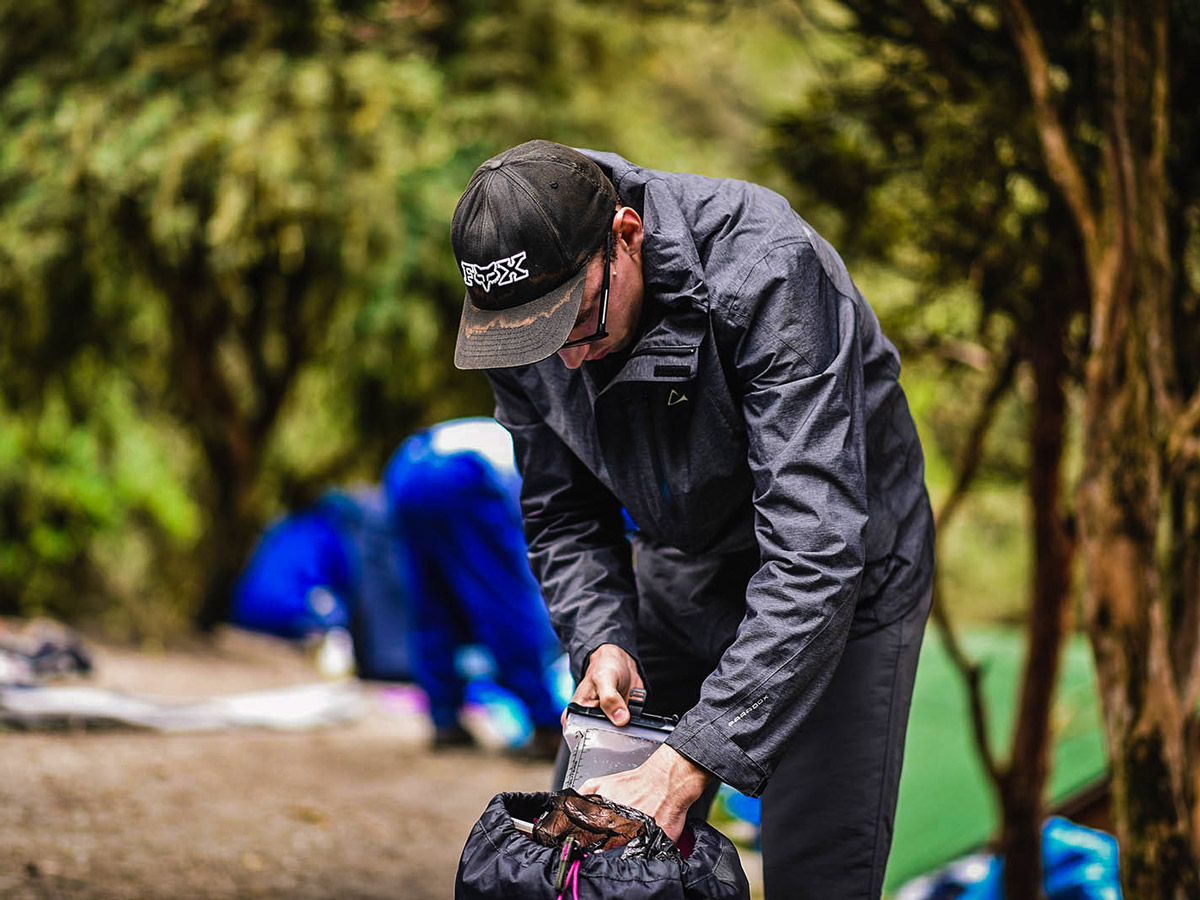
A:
[(628, 227)]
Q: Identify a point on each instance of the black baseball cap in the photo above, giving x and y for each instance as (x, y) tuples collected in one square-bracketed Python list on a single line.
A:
[(522, 233)]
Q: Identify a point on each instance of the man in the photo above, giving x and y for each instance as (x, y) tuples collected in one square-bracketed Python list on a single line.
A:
[(692, 350), (453, 495)]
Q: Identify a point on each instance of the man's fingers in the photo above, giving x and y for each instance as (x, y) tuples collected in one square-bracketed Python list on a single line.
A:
[(611, 700), (585, 693), (610, 674)]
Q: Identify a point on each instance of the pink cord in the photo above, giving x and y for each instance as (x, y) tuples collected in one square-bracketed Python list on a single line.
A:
[(572, 879)]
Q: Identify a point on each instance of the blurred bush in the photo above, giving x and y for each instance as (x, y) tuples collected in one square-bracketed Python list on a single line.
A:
[(225, 279)]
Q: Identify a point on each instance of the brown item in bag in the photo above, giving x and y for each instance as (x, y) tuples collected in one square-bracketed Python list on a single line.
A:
[(597, 824)]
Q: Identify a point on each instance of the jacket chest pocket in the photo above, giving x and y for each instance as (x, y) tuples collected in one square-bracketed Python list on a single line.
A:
[(683, 454)]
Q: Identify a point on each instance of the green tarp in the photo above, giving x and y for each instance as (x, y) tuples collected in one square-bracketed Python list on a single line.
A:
[(946, 804)]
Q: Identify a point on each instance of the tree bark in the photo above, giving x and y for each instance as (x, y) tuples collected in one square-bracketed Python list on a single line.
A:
[(1023, 785), (1120, 503), (1131, 405), (1126, 418)]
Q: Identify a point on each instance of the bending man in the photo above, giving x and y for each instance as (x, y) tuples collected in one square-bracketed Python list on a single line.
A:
[(692, 350)]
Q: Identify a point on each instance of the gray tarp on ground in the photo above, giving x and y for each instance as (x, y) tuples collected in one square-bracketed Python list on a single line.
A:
[(296, 707)]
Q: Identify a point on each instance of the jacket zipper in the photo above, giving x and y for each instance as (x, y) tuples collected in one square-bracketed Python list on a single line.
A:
[(660, 482), (665, 351)]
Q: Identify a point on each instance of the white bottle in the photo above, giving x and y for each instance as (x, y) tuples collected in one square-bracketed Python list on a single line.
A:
[(335, 655)]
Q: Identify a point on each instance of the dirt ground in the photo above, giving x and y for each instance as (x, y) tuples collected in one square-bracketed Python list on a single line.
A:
[(355, 811)]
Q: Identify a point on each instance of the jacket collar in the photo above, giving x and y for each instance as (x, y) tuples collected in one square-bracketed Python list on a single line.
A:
[(676, 297), (668, 349)]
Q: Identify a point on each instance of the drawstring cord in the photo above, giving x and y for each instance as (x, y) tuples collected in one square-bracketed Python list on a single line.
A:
[(572, 880), (568, 870)]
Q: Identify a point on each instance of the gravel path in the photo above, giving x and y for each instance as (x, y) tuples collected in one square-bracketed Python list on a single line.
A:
[(355, 812)]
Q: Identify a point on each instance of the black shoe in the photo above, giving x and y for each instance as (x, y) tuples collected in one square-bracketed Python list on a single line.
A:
[(451, 737), (542, 746)]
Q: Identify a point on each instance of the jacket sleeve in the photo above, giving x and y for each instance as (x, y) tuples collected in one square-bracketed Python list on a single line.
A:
[(797, 360), (575, 531)]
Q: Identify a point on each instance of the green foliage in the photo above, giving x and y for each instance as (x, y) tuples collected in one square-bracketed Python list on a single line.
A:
[(68, 481), (225, 280), (984, 554), (200, 203), (916, 153)]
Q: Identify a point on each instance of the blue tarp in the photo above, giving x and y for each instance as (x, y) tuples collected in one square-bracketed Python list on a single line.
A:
[(334, 565), (1078, 863)]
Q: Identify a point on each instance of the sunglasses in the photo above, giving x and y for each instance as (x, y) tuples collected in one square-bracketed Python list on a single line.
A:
[(601, 331)]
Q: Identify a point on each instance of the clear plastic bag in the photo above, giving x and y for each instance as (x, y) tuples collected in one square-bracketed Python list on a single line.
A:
[(598, 747)]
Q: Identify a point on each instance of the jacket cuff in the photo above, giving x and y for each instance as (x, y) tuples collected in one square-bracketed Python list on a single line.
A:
[(708, 748)]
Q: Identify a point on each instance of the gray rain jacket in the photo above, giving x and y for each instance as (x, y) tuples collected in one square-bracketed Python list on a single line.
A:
[(758, 406)]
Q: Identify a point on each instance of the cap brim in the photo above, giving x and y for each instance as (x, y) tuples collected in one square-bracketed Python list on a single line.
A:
[(529, 333)]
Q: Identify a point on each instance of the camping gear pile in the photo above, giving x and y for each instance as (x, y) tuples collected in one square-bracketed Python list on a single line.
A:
[(40, 650)]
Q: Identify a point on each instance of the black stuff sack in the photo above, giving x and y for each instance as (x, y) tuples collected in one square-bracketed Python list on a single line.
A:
[(594, 850)]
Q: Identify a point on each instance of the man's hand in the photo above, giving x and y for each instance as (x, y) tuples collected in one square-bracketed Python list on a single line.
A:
[(664, 786), (611, 674)]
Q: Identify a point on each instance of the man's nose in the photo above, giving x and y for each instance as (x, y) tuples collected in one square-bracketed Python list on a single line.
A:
[(573, 357)]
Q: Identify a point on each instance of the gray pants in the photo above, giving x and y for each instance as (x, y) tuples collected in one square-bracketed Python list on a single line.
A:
[(830, 805)]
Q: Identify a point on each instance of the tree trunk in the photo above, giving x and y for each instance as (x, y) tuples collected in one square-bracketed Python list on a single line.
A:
[(1020, 836), (1127, 415), (1120, 501), (1131, 404), (1023, 785), (233, 530), (232, 447)]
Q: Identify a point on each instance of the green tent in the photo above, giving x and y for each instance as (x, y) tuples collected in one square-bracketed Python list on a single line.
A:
[(947, 807)]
